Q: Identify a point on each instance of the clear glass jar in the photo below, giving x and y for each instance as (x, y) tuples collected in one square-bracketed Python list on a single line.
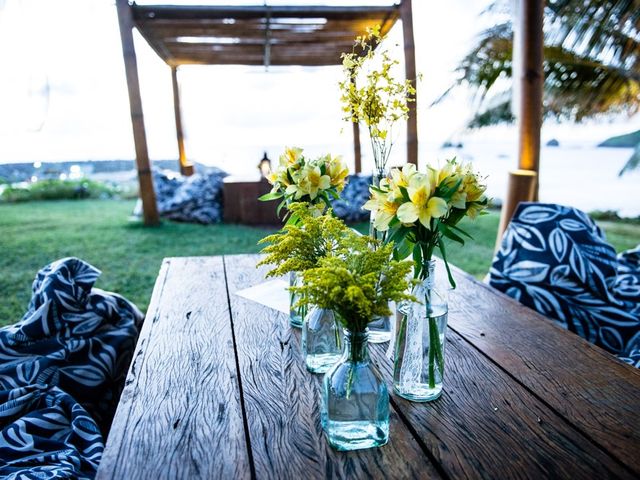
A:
[(376, 178), (379, 327), (296, 314), (321, 339), (418, 366), (355, 400)]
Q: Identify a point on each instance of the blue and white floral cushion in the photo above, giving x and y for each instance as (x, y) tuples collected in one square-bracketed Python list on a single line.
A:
[(556, 260), (62, 368)]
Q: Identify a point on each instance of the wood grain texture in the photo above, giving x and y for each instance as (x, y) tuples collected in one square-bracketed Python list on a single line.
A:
[(180, 414), (486, 425), (282, 400), (587, 386)]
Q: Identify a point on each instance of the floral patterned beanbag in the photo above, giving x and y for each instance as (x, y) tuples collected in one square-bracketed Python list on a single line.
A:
[(556, 260)]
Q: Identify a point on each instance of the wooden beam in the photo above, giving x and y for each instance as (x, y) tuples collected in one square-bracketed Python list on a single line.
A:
[(406, 14), (528, 47), (530, 80), (213, 12), (186, 167), (145, 180)]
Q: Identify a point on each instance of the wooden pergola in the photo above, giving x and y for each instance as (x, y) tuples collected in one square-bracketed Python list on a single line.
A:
[(248, 35)]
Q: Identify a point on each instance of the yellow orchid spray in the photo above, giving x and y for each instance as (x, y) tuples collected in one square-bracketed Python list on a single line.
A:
[(372, 95), (419, 210), (299, 179)]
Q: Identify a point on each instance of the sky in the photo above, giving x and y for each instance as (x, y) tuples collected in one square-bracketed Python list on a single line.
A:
[(231, 114)]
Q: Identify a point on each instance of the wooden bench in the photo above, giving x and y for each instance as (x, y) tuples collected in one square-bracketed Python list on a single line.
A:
[(218, 389)]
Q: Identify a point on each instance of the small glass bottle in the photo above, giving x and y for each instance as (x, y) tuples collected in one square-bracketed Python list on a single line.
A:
[(296, 313), (355, 400), (379, 327), (418, 366), (321, 339)]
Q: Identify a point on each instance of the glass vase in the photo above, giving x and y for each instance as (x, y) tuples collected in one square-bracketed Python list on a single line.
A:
[(355, 400), (321, 339), (418, 366), (376, 178), (296, 313), (379, 327)]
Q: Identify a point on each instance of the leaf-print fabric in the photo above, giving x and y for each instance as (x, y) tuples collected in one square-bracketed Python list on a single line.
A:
[(556, 260), (62, 369)]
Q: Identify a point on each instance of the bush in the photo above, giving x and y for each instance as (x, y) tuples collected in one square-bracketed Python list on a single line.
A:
[(58, 190), (612, 216)]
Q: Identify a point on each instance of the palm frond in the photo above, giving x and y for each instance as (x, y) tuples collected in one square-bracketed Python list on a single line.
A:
[(632, 163)]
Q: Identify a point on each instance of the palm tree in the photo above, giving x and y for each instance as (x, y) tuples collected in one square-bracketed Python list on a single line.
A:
[(591, 63)]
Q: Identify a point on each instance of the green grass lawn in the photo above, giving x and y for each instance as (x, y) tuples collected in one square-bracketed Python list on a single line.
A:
[(129, 255)]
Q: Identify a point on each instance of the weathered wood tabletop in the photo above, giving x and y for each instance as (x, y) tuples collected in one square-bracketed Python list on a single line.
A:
[(218, 389)]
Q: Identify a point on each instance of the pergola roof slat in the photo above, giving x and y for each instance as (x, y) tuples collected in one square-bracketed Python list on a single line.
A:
[(292, 35)]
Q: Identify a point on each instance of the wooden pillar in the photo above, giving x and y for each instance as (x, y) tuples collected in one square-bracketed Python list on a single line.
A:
[(528, 47), (406, 14), (145, 180), (186, 167), (530, 80), (357, 152)]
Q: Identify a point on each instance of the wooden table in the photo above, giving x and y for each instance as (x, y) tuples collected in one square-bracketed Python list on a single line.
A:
[(218, 389)]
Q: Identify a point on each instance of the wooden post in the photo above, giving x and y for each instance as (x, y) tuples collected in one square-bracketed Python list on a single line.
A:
[(529, 79), (186, 167), (406, 14), (520, 188), (145, 180), (357, 152)]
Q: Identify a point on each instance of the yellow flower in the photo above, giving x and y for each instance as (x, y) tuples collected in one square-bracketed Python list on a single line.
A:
[(290, 157), (383, 208), (337, 171), (423, 206), (295, 190), (311, 181), (401, 177)]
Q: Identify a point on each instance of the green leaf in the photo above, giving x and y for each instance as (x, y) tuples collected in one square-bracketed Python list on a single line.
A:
[(335, 195), (447, 232), (405, 194), (459, 230), (270, 196), (446, 263), (402, 250), (398, 234), (417, 260)]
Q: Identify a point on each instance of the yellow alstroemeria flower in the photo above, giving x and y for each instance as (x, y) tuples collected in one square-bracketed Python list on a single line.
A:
[(423, 206), (312, 181), (402, 177), (296, 191), (290, 157), (337, 171), (383, 207), (459, 199)]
